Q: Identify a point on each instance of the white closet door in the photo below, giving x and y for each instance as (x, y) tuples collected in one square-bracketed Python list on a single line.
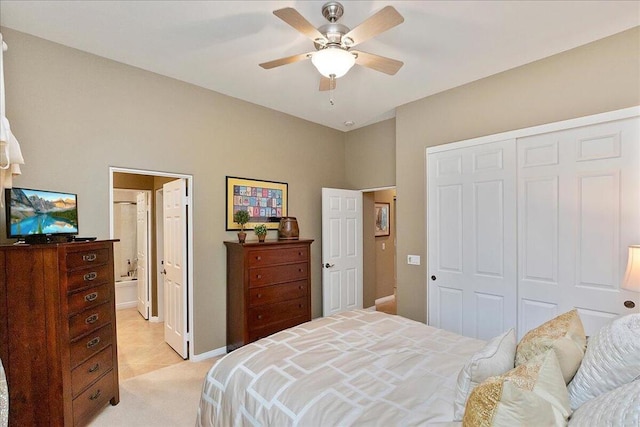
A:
[(472, 239), (578, 210)]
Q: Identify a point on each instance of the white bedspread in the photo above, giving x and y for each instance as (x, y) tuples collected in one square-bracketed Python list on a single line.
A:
[(354, 368)]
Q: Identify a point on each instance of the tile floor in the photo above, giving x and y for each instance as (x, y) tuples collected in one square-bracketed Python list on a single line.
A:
[(141, 346)]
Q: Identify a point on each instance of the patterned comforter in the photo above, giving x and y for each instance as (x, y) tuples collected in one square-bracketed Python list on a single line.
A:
[(354, 368)]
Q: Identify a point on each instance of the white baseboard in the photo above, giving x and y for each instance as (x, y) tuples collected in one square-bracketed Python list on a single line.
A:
[(123, 305), (155, 319), (209, 354), (388, 298)]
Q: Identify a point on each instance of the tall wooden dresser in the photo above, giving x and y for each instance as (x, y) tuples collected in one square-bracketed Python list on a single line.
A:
[(58, 331), (268, 288)]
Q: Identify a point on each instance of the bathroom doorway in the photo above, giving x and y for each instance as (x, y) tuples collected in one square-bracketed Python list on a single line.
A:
[(141, 312)]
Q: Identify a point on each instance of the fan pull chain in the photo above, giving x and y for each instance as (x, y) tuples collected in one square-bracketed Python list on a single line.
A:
[(332, 85)]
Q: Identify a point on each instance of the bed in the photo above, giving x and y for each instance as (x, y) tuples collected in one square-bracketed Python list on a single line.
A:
[(369, 368), (357, 367)]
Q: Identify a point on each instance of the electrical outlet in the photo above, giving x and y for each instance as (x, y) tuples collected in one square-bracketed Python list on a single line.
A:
[(384, 246), (413, 259)]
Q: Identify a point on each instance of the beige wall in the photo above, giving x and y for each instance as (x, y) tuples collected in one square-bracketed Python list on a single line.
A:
[(368, 251), (598, 77), (76, 114), (370, 154), (385, 258)]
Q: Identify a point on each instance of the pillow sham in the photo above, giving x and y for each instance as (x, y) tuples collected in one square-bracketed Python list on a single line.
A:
[(618, 407), (564, 335), (531, 394), (496, 358), (612, 359)]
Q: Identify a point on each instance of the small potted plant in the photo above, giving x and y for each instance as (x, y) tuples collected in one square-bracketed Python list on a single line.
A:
[(261, 232), (241, 217)]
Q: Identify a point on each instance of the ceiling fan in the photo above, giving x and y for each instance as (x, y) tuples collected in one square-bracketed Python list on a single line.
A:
[(334, 56)]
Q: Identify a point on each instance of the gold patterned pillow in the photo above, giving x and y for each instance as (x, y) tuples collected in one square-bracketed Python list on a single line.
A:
[(532, 394), (564, 335)]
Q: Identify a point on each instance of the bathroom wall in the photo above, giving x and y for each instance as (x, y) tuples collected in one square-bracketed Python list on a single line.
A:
[(124, 228)]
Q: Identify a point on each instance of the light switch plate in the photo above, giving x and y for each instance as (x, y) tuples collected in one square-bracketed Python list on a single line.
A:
[(413, 259)]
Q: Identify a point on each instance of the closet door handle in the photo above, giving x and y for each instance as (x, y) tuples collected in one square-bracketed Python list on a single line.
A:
[(433, 278)]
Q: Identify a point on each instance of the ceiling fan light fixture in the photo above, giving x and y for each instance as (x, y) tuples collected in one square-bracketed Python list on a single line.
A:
[(333, 61)]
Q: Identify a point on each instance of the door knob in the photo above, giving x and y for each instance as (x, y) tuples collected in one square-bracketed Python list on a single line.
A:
[(327, 265), (433, 277)]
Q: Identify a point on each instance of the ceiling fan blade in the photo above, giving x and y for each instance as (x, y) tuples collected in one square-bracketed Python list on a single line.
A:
[(382, 21), (297, 21), (284, 61), (327, 83), (377, 62)]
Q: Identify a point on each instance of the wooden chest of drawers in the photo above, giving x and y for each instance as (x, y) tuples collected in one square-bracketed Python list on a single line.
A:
[(268, 288), (58, 332)]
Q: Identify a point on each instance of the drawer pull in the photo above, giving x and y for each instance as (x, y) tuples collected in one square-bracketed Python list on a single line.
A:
[(259, 316), (299, 305), (91, 319), (89, 257), (95, 395), (300, 287), (259, 296), (90, 276), (94, 368), (94, 342), (258, 276), (300, 253), (258, 258), (91, 297), (300, 270)]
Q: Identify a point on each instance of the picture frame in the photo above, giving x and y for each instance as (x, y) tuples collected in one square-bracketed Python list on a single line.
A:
[(381, 219), (266, 201)]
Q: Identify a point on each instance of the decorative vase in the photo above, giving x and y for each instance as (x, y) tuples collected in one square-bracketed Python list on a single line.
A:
[(241, 236), (288, 229), (261, 237)]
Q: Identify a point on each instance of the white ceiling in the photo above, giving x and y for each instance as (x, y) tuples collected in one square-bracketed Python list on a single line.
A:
[(219, 44)]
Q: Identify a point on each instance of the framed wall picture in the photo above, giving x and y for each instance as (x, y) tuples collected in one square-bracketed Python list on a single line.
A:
[(382, 219), (265, 201)]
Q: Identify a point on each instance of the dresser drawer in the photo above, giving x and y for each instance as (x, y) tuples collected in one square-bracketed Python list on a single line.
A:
[(92, 399), (83, 348), (256, 334), (264, 276), (90, 319), (89, 298), (277, 293), (88, 277), (91, 370), (260, 258), (87, 258), (264, 315)]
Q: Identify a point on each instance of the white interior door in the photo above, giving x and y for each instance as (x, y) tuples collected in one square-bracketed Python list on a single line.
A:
[(341, 250), (159, 215), (142, 251), (175, 265), (579, 209), (472, 239)]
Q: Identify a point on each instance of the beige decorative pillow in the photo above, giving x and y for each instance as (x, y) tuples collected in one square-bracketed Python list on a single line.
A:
[(532, 394), (496, 358), (564, 335)]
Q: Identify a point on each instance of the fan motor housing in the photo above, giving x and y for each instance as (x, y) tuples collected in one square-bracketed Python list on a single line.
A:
[(332, 11)]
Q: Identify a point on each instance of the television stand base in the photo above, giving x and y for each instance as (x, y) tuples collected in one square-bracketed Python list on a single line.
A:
[(40, 239)]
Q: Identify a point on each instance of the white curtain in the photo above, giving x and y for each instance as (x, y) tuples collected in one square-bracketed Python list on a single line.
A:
[(10, 154)]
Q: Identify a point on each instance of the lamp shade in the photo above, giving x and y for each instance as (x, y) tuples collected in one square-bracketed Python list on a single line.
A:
[(333, 61), (632, 276)]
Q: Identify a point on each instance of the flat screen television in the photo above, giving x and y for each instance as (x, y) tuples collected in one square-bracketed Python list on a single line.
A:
[(37, 215)]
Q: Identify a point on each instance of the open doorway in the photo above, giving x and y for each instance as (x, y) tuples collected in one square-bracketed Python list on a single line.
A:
[(153, 294), (379, 249)]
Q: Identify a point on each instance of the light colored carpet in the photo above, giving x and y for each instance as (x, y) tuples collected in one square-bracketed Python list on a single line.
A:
[(167, 397)]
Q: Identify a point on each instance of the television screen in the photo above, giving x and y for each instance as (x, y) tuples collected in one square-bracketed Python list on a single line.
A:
[(38, 212)]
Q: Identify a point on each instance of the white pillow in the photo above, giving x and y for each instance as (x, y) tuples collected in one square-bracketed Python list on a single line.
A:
[(532, 394), (612, 359), (618, 407), (496, 358)]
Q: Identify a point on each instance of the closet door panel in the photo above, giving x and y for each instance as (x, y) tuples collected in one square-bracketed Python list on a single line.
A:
[(573, 231), (472, 256)]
